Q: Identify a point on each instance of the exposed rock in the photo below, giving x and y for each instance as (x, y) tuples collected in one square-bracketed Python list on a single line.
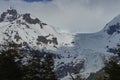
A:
[(17, 37), (54, 40), (29, 20), (10, 15), (113, 28), (44, 40), (69, 68)]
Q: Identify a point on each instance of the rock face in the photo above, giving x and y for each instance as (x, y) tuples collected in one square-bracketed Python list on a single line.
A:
[(73, 54), (29, 20), (9, 15)]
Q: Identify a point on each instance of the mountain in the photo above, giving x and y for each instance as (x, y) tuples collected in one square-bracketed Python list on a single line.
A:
[(75, 53), (27, 30)]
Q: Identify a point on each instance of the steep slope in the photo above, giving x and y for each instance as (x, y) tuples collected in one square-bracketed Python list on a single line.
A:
[(91, 49)]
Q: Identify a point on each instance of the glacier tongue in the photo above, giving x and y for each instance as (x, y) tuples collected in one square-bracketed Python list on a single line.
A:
[(92, 49)]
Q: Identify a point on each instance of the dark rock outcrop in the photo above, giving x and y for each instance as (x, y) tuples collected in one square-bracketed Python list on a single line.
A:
[(44, 40), (114, 28), (69, 68), (29, 20), (12, 15)]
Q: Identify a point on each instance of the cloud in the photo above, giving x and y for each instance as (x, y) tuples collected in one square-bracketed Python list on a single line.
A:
[(69, 15), (37, 0)]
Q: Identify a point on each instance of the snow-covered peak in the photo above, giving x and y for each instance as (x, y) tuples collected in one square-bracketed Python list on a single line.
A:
[(114, 21), (113, 26), (30, 31), (10, 15)]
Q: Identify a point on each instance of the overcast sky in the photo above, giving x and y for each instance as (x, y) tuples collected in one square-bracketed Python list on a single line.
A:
[(68, 15)]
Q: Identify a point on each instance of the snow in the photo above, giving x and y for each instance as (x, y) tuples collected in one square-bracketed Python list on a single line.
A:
[(90, 48), (114, 21)]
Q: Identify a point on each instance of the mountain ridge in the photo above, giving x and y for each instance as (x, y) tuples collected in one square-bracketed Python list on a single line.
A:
[(78, 54)]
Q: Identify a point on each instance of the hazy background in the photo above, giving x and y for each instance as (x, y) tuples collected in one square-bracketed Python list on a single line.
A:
[(68, 15)]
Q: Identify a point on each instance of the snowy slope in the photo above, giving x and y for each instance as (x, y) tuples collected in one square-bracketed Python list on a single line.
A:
[(76, 54), (25, 29), (92, 48)]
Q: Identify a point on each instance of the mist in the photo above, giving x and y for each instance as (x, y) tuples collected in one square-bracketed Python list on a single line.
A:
[(83, 16)]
